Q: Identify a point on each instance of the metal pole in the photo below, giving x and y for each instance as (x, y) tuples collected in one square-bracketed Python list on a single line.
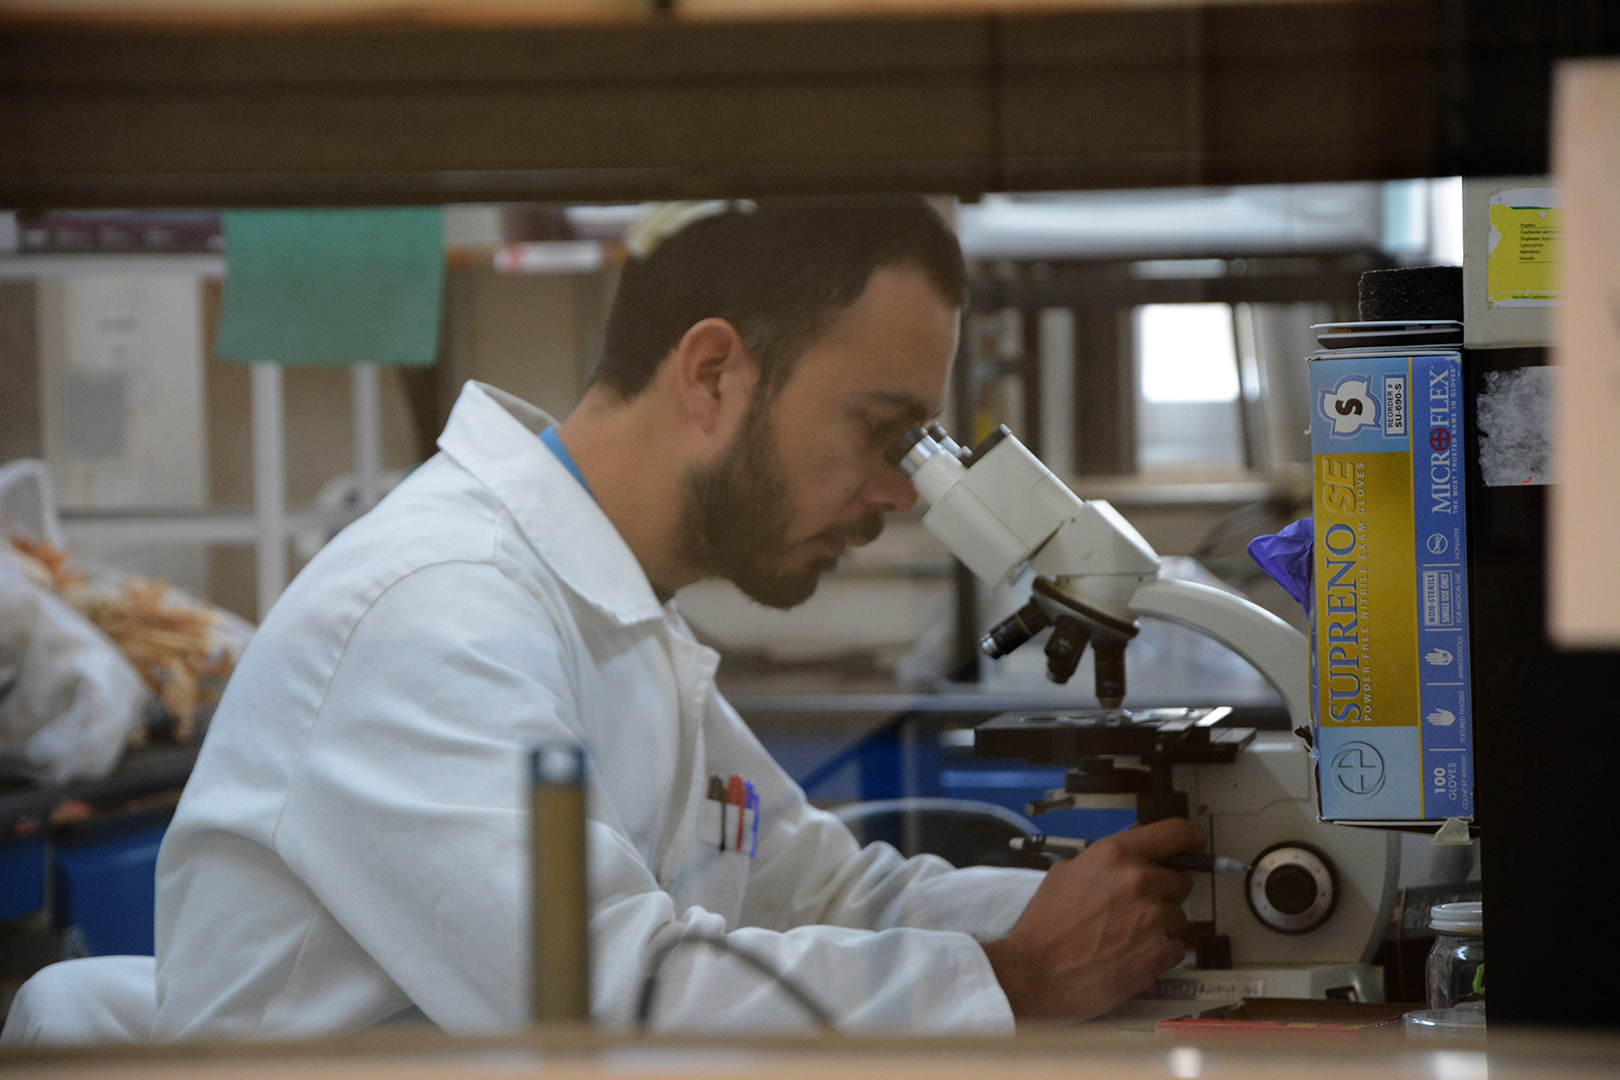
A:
[(560, 971), (269, 484), (367, 433)]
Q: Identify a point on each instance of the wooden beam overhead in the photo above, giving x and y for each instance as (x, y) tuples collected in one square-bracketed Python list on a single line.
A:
[(1108, 96)]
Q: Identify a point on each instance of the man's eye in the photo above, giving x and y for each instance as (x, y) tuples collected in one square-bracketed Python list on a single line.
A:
[(881, 429)]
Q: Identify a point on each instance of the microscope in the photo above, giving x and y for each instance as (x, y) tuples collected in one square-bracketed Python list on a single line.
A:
[(1311, 910)]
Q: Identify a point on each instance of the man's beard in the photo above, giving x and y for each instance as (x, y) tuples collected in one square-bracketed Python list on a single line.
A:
[(737, 514)]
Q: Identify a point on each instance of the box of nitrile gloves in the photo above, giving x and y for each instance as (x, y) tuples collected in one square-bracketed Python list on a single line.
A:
[(1389, 657)]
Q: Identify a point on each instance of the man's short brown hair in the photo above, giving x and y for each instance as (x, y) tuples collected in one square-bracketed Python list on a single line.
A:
[(779, 270)]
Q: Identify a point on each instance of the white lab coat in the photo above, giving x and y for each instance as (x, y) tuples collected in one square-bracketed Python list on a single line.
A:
[(352, 845)]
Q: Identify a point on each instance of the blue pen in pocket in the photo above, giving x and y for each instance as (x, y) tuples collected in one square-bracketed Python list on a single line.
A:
[(751, 801)]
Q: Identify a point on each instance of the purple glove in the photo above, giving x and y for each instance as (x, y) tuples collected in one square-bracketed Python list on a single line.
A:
[(1286, 556)]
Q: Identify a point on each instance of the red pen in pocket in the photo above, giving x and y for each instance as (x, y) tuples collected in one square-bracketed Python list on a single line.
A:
[(717, 792), (736, 795)]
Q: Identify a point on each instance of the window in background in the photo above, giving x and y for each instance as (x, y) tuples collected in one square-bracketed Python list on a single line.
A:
[(1188, 389)]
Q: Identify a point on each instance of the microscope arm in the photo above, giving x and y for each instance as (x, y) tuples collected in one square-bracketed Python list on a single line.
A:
[(1277, 650), (1003, 510)]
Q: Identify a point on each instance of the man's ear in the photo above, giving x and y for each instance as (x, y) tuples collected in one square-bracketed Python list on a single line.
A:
[(714, 375)]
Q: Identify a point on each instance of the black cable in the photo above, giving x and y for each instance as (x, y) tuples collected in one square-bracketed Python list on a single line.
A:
[(1400, 943), (1217, 534), (649, 988)]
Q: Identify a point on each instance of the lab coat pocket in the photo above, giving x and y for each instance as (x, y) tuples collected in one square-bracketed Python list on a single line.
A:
[(714, 870)]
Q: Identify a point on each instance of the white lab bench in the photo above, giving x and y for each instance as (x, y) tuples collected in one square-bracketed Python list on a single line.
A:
[(1092, 1051)]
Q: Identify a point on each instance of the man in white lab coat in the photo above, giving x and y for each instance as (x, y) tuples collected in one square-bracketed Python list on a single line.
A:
[(352, 846)]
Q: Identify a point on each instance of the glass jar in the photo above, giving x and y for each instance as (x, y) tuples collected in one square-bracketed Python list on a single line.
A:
[(1456, 968)]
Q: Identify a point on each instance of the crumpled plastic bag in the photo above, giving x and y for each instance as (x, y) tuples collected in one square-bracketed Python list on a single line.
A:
[(182, 648), (68, 698), (1286, 557)]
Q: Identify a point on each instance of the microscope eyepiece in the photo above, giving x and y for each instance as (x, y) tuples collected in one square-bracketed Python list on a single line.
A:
[(937, 432), (910, 451), (897, 451), (991, 441)]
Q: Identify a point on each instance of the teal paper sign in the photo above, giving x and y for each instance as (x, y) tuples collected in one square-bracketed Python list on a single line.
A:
[(332, 287)]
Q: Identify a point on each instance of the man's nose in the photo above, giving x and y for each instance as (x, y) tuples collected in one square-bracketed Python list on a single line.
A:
[(890, 490)]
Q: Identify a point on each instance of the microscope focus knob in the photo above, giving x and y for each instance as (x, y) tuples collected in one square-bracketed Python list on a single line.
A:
[(1292, 889)]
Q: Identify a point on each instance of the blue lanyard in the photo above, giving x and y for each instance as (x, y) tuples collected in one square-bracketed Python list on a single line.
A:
[(554, 442)]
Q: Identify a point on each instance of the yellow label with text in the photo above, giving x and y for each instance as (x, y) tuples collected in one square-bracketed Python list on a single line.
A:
[(1523, 265), (1365, 591)]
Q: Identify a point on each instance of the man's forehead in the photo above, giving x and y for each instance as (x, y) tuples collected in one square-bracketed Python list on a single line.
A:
[(892, 348), (904, 402)]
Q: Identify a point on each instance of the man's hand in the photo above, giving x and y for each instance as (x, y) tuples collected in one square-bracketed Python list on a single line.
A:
[(1101, 928)]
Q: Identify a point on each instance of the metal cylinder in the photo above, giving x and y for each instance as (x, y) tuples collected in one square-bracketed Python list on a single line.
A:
[(1110, 667), (1064, 648), (560, 960), (1014, 630)]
